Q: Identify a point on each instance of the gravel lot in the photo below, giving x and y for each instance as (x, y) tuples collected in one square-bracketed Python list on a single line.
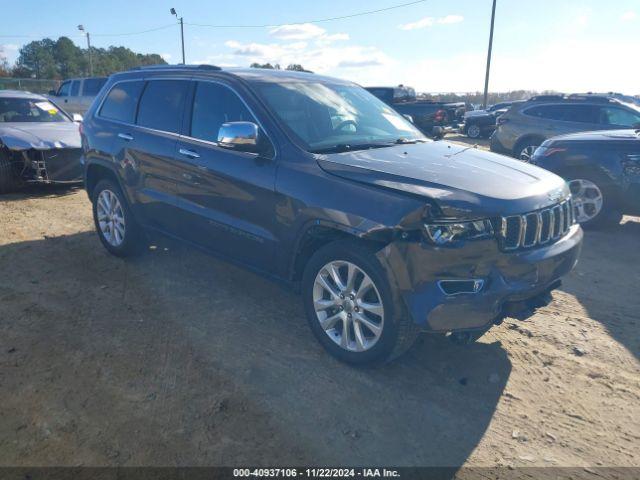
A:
[(176, 358)]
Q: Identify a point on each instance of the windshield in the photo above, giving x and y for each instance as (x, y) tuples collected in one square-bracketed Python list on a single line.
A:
[(326, 116), (29, 110)]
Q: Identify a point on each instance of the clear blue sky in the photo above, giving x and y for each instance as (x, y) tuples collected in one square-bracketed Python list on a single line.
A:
[(438, 45)]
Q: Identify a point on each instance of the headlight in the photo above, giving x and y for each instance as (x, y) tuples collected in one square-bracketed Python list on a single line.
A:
[(449, 232)]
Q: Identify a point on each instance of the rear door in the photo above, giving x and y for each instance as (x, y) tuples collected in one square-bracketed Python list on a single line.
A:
[(150, 145), (228, 196)]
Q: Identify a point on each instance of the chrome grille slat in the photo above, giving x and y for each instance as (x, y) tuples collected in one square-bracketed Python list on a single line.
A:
[(536, 228)]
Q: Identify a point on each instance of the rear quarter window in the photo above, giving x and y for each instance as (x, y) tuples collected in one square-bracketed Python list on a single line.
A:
[(121, 101)]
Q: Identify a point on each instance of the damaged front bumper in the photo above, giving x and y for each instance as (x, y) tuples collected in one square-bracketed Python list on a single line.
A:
[(476, 284), (56, 165)]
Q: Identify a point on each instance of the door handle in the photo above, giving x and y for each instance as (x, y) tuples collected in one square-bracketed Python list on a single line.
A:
[(188, 153), (125, 136)]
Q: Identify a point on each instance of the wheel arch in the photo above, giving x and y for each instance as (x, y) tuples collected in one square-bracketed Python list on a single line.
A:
[(315, 235), (97, 171), (517, 146)]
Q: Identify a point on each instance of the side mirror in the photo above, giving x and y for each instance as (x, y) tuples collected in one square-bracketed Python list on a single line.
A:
[(437, 133), (408, 117), (52, 93), (77, 118), (241, 136)]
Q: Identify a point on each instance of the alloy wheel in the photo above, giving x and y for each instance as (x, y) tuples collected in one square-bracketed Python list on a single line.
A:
[(473, 131), (348, 306), (587, 199), (111, 218), (527, 152)]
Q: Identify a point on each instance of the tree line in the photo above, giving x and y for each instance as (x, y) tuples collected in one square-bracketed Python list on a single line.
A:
[(60, 59)]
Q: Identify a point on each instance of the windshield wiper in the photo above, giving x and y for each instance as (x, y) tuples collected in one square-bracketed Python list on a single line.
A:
[(406, 141), (346, 147)]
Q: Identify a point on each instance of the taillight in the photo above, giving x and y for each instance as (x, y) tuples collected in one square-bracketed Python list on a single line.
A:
[(547, 152), (80, 128), (440, 116)]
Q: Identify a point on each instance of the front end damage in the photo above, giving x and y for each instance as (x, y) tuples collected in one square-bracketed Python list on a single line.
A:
[(476, 284), (43, 166)]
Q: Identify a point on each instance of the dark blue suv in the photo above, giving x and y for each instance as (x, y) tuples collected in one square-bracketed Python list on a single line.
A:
[(315, 182)]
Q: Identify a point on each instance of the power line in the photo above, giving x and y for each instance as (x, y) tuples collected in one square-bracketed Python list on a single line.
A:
[(320, 20)]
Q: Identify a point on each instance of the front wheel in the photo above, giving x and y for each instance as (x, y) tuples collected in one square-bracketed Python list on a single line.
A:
[(351, 308), (9, 182)]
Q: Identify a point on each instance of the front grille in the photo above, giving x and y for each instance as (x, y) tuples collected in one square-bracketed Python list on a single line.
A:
[(536, 228)]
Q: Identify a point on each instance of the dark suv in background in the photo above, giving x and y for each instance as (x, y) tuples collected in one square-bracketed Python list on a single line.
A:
[(316, 183), (526, 125), (603, 172)]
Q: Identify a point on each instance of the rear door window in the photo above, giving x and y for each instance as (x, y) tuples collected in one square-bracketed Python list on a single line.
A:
[(162, 104), (549, 112), (75, 88), (121, 102), (580, 113)]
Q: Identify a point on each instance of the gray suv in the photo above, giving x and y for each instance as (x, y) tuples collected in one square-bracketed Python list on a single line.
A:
[(526, 125)]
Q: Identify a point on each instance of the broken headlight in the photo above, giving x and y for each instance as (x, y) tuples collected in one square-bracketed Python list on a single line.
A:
[(443, 233)]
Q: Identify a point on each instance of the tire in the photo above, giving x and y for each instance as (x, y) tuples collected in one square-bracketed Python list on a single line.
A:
[(121, 242), (525, 148), (397, 332), (474, 131), (585, 188), (8, 180)]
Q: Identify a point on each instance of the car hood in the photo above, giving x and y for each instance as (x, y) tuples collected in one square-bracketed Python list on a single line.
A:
[(628, 134), (462, 182), (39, 135)]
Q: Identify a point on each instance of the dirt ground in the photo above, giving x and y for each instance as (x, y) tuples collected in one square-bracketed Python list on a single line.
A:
[(176, 358)]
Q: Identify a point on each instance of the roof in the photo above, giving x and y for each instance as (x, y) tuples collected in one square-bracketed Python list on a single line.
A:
[(248, 74), (20, 94)]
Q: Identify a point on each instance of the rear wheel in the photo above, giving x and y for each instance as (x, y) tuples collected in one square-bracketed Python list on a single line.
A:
[(351, 308), (8, 180), (525, 149), (592, 203), (117, 228)]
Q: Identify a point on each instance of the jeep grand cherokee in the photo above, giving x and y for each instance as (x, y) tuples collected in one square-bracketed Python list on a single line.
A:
[(315, 182)]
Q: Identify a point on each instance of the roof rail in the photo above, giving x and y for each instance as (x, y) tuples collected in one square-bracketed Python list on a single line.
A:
[(593, 97), (542, 98), (178, 67)]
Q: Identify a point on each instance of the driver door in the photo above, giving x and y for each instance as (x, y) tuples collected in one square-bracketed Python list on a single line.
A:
[(227, 197)]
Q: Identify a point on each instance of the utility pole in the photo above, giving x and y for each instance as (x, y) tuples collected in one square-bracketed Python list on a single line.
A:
[(81, 28), (181, 19), (486, 79)]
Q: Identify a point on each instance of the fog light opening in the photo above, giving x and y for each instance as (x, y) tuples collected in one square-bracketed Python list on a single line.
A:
[(459, 287)]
